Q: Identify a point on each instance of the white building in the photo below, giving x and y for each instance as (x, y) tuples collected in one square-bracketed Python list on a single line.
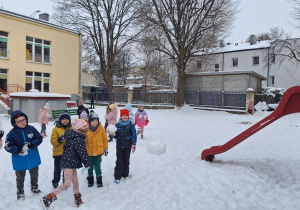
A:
[(249, 56)]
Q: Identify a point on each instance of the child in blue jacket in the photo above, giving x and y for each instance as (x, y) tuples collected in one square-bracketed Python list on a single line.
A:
[(22, 141)]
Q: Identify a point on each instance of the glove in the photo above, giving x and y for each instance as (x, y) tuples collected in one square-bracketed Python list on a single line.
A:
[(145, 117), (1, 134), (140, 116), (84, 170), (22, 151), (105, 152), (133, 147), (60, 140), (29, 145)]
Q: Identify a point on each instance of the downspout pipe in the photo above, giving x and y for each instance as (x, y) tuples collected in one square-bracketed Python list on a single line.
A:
[(80, 64), (268, 69)]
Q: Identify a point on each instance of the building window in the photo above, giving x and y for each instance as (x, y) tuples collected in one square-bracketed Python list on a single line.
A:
[(3, 80), (199, 64), (38, 80), (272, 58), (38, 50), (216, 67), (3, 44), (255, 60), (235, 61), (272, 80)]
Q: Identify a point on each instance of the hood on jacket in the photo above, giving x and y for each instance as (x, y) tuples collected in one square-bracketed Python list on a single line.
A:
[(14, 114), (128, 107)]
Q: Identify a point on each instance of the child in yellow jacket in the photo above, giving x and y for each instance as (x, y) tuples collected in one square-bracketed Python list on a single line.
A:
[(58, 143), (96, 146)]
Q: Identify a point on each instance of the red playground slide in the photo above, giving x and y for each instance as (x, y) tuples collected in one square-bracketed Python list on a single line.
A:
[(289, 104)]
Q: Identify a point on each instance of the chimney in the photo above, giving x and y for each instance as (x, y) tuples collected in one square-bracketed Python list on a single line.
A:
[(252, 39), (44, 16), (222, 43)]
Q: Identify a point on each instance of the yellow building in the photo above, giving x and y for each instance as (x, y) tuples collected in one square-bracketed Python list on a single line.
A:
[(36, 54)]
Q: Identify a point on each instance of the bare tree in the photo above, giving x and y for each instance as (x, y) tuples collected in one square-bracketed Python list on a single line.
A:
[(187, 25), (107, 24)]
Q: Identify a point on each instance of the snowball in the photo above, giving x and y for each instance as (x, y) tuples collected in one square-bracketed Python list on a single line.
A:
[(111, 129), (156, 147)]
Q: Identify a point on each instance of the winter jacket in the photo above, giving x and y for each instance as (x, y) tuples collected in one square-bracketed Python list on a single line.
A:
[(141, 117), (57, 131), (125, 135), (96, 142), (16, 138), (80, 109), (43, 116), (112, 116), (131, 115), (74, 154)]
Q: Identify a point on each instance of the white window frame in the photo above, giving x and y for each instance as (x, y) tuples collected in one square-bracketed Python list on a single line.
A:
[(253, 59), (7, 43), (42, 79), (43, 45), (233, 61)]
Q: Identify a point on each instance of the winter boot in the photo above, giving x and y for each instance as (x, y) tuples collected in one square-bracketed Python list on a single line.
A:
[(99, 181), (90, 181), (55, 185), (20, 195), (78, 200), (35, 189), (47, 200)]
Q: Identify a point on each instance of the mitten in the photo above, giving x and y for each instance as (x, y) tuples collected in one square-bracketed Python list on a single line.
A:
[(133, 147), (29, 145), (105, 152), (145, 117), (23, 151), (140, 116), (60, 140), (1, 133)]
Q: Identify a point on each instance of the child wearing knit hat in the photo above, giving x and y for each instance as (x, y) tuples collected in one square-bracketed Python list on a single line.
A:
[(44, 118), (141, 119), (64, 123), (111, 116), (84, 116), (73, 157), (96, 146), (125, 143)]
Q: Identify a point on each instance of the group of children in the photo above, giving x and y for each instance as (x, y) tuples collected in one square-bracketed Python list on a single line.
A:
[(76, 143)]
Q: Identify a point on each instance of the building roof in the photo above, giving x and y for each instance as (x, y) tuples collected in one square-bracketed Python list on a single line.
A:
[(35, 20), (235, 72)]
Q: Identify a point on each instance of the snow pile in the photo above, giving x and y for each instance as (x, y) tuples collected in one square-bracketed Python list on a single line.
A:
[(261, 106), (156, 147), (111, 129)]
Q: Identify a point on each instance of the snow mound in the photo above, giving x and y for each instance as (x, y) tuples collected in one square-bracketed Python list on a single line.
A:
[(156, 147), (261, 106), (111, 129)]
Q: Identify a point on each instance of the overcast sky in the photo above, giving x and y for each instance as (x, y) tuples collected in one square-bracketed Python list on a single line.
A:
[(255, 16)]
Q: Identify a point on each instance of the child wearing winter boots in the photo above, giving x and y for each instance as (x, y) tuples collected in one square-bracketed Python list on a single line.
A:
[(96, 146), (22, 141), (64, 122), (44, 118), (126, 142), (141, 119), (111, 116), (74, 155)]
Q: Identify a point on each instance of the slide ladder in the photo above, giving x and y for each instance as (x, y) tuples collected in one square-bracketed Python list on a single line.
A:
[(289, 104)]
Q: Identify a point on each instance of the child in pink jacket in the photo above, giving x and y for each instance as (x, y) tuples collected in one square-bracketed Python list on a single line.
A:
[(141, 119), (44, 118), (111, 116)]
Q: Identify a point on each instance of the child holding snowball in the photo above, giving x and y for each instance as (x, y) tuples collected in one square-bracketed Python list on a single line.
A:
[(125, 143), (141, 119)]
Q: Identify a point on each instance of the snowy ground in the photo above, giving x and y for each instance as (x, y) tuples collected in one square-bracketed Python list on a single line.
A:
[(260, 173)]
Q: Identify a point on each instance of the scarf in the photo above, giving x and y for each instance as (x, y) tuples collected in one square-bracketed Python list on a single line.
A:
[(124, 122), (94, 128)]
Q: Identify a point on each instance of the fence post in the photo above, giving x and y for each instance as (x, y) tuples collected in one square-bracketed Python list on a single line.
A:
[(150, 97), (249, 100), (198, 98), (223, 98), (130, 95)]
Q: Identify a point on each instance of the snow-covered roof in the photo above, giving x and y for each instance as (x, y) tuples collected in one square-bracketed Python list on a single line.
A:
[(38, 95), (239, 47), (227, 73)]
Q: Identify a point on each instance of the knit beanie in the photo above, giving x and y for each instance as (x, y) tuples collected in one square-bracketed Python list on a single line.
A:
[(64, 115), (124, 112), (47, 107), (83, 114), (78, 123), (93, 115)]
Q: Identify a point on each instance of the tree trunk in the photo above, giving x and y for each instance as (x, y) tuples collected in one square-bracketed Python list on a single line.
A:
[(181, 87), (109, 84)]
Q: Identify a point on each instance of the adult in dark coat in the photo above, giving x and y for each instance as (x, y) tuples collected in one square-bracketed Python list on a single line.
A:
[(93, 92)]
